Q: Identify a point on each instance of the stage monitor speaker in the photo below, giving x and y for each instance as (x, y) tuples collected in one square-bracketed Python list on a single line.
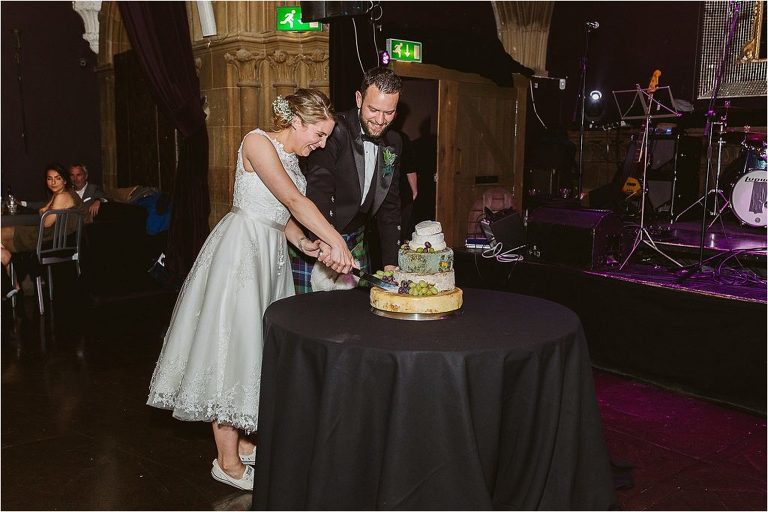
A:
[(505, 227), (326, 11), (579, 237)]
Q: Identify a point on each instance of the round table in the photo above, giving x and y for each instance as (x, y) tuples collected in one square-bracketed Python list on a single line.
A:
[(20, 219), (493, 408)]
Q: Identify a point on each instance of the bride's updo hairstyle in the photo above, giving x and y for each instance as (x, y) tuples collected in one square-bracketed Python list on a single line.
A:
[(309, 105)]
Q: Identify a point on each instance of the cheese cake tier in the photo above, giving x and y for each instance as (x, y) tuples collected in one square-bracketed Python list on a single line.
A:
[(443, 281), (425, 262), (443, 302)]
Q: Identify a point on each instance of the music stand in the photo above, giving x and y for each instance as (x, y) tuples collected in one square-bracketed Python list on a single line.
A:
[(646, 104)]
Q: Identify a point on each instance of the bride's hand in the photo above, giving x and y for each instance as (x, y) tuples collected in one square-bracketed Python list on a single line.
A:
[(324, 253), (309, 247)]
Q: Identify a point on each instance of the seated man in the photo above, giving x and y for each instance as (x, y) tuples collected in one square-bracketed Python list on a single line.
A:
[(90, 193)]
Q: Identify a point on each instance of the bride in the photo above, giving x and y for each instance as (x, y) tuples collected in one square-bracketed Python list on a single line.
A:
[(209, 368)]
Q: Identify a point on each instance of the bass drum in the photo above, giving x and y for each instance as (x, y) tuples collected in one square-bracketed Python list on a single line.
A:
[(749, 198)]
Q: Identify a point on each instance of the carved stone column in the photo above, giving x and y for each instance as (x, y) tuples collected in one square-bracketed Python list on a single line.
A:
[(89, 11), (283, 65), (248, 65), (317, 65)]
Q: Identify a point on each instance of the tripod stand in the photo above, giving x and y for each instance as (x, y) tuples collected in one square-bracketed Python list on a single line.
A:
[(717, 191), (642, 100)]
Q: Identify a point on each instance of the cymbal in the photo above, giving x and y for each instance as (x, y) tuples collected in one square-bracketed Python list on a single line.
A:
[(746, 132), (744, 129), (730, 108)]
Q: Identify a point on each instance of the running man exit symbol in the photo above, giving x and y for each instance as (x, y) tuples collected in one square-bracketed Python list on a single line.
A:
[(408, 51), (289, 20)]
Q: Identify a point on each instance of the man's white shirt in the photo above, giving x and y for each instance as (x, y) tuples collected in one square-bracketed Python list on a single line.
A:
[(371, 152)]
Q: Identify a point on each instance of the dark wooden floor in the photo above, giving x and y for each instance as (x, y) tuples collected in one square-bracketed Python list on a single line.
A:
[(76, 433)]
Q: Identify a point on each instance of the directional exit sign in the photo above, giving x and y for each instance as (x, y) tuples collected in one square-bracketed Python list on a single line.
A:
[(408, 51), (289, 20)]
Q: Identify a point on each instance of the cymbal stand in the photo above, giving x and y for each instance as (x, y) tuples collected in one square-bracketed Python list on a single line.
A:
[(717, 191), (697, 268), (642, 233)]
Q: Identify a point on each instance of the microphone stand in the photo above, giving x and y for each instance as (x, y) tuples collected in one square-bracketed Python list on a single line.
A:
[(587, 31), (708, 134)]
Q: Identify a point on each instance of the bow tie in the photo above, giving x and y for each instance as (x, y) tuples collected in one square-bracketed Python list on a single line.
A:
[(368, 138)]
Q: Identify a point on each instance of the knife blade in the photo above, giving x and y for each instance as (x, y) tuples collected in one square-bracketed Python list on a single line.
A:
[(375, 280)]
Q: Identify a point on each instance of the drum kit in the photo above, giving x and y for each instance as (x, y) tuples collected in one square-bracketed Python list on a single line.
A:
[(748, 187), (743, 186)]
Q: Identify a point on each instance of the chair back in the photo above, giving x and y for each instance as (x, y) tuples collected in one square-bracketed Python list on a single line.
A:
[(65, 244)]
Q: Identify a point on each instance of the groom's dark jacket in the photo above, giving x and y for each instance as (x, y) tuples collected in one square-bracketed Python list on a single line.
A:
[(335, 178)]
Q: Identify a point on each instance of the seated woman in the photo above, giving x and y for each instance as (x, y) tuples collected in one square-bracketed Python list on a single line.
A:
[(24, 238)]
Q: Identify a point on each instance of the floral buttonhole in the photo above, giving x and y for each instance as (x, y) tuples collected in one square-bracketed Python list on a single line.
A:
[(389, 161)]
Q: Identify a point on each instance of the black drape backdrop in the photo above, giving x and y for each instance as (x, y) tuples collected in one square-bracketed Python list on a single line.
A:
[(455, 35), (159, 33)]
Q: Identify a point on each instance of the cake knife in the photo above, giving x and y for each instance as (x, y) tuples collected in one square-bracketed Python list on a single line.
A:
[(375, 280)]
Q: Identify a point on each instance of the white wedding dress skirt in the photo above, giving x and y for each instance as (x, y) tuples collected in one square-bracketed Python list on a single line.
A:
[(210, 364)]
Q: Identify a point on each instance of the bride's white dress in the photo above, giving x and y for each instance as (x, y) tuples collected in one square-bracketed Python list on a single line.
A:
[(210, 364)]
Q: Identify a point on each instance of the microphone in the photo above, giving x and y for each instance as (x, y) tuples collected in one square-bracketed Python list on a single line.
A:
[(592, 25)]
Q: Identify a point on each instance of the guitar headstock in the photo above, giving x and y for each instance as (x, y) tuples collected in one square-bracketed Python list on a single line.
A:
[(654, 83)]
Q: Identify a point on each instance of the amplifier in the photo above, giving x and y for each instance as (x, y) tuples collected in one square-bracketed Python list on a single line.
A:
[(578, 237)]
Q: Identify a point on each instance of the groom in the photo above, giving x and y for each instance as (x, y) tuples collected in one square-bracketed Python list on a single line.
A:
[(354, 180)]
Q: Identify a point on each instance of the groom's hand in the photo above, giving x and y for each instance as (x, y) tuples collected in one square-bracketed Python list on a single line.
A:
[(324, 253)]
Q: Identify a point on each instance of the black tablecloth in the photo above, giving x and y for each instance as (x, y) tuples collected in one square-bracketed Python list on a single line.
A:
[(21, 219), (491, 409)]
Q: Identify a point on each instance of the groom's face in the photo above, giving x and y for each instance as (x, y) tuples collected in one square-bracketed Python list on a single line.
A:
[(377, 110)]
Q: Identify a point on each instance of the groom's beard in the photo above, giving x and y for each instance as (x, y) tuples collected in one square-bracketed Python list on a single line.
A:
[(366, 129)]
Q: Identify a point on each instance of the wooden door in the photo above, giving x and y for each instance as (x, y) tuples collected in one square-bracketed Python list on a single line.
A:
[(480, 142)]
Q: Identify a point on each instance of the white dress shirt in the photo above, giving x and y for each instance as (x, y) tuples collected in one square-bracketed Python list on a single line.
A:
[(371, 152)]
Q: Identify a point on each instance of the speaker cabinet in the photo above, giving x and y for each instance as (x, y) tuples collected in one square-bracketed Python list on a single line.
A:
[(673, 176), (326, 11), (580, 238)]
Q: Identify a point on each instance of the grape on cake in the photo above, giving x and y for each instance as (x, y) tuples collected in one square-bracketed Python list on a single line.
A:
[(425, 275)]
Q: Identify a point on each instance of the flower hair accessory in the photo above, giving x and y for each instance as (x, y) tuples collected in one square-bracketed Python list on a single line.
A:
[(282, 109)]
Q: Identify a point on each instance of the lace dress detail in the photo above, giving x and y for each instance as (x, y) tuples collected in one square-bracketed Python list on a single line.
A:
[(252, 195), (210, 364)]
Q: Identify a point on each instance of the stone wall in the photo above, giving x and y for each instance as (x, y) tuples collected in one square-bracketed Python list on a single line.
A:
[(242, 69)]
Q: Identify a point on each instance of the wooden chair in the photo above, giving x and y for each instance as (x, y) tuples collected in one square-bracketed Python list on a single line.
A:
[(64, 247)]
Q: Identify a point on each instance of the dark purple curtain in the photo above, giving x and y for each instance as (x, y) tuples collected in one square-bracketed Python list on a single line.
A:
[(159, 34)]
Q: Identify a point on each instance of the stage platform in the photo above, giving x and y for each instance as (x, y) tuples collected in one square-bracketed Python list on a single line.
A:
[(699, 329)]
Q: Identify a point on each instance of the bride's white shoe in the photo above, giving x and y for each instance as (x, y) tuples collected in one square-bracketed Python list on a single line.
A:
[(244, 483)]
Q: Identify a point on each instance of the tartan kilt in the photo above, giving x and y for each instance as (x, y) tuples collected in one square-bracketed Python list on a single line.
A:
[(301, 264)]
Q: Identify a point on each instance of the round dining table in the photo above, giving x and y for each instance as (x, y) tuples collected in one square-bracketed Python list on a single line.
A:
[(27, 218), (490, 408)]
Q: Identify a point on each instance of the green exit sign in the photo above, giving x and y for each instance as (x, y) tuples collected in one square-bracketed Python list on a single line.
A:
[(289, 20), (400, 49)]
